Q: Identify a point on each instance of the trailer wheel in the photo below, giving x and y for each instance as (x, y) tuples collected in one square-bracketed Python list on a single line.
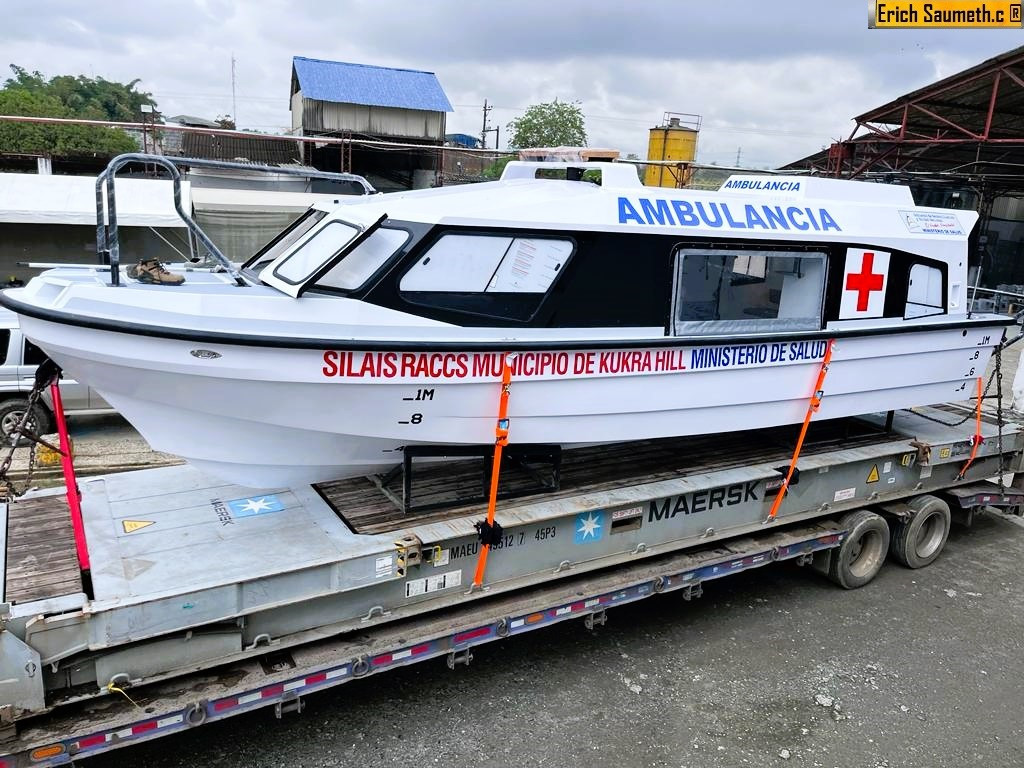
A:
[(918, 541), (859, 558)]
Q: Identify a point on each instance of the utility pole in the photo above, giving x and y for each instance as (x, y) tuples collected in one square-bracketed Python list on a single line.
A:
[(485, 130), (234, 104), (739, 151)]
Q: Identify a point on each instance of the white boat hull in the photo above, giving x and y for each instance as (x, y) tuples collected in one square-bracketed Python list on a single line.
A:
[(270, 417)]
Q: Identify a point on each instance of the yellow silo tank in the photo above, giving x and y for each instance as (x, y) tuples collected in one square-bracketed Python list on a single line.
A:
[(675, 140)]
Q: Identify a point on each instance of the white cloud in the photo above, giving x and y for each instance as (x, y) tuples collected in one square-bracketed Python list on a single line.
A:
[(778, 79)]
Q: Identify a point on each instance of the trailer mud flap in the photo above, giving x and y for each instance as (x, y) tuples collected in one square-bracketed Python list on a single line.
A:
[(21, 676)]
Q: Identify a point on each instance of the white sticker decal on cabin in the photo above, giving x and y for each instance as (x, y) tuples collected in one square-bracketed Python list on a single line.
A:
[(919, 223), (864, 284)]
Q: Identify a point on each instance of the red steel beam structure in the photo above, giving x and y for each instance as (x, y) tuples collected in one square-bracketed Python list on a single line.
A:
[(970, 124)]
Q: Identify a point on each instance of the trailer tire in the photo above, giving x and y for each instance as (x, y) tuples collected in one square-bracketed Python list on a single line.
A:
[(918, 541), (859, 558)]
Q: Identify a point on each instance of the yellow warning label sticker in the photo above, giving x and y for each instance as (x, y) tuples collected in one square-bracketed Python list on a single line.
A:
[(945, 453), (906, 459), (873, 474), (131, 526)]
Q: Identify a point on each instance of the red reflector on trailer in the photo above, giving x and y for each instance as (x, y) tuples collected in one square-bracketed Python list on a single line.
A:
[(220, 706), (317, 678), (143, 727), (274, 690), (92, 741), (471, 634)]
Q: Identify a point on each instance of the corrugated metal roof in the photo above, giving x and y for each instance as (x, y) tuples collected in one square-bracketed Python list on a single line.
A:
[(345, 83), (255, 149)]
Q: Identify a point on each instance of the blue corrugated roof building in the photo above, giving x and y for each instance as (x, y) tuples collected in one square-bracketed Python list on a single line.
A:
[(345, 83)]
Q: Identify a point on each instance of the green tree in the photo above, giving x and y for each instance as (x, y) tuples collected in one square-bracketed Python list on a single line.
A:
[(553, 124), (31, 94), (495, 169)]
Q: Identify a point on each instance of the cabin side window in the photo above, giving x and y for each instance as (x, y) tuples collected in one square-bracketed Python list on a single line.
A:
[(492, 275), (737, 290), (924, 293)]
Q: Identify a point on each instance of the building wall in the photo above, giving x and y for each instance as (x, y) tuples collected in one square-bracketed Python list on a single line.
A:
[(330, 117), (297, 111)]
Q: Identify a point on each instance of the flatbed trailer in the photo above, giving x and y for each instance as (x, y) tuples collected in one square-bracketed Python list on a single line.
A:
[(205, 600)]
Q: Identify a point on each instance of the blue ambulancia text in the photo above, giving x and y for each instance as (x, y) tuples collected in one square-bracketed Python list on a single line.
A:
[(683, 213)]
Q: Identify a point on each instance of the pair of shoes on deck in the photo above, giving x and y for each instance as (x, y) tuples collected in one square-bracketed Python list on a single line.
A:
[(152, 272)]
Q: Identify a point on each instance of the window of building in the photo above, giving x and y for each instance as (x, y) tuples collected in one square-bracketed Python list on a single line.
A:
[(747, 291), (924, 294)]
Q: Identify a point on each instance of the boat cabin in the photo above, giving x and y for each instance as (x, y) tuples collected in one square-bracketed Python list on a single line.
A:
[(544, 253)]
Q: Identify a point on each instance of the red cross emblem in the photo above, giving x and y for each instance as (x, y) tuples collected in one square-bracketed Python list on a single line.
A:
[(865, 281)]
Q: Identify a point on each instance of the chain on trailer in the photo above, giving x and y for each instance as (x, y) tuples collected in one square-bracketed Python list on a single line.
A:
[(47, 373), (996, 377)]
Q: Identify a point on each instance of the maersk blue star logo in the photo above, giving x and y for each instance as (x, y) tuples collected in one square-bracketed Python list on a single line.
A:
[(257, 505), (589, 526)]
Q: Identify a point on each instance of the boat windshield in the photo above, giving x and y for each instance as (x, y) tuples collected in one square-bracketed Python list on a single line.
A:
[(359, 264), (285, 240), (312, 254), (323, 248)]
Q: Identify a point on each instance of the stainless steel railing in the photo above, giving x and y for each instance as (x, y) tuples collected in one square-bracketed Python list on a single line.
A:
[(107, 242)]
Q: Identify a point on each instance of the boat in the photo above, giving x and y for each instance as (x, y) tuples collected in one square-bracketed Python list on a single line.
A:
[(622, 312)]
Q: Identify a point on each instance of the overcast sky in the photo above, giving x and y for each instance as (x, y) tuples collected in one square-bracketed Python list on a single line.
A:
[(773, 81)]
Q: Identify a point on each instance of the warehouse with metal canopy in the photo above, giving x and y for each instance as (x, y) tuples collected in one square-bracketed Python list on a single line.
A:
[(367, 105)]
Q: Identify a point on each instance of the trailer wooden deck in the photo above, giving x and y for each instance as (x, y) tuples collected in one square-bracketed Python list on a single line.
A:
[(41, 561), (367, 508)]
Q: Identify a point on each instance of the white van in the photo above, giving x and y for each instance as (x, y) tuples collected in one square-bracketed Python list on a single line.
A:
[(18, 360)]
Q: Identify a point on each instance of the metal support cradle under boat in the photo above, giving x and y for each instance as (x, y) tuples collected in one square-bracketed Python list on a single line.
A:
[(107, 242)]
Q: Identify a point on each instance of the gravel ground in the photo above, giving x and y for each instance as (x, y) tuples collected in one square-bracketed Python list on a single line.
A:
[(101, 444), (919, 668)]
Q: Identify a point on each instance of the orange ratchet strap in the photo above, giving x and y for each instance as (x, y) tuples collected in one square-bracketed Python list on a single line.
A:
[(977, 439), (812, 408), (487, 528)]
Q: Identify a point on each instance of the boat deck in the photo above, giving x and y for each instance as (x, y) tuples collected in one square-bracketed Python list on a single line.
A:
[(41, 561), (362, 506)]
